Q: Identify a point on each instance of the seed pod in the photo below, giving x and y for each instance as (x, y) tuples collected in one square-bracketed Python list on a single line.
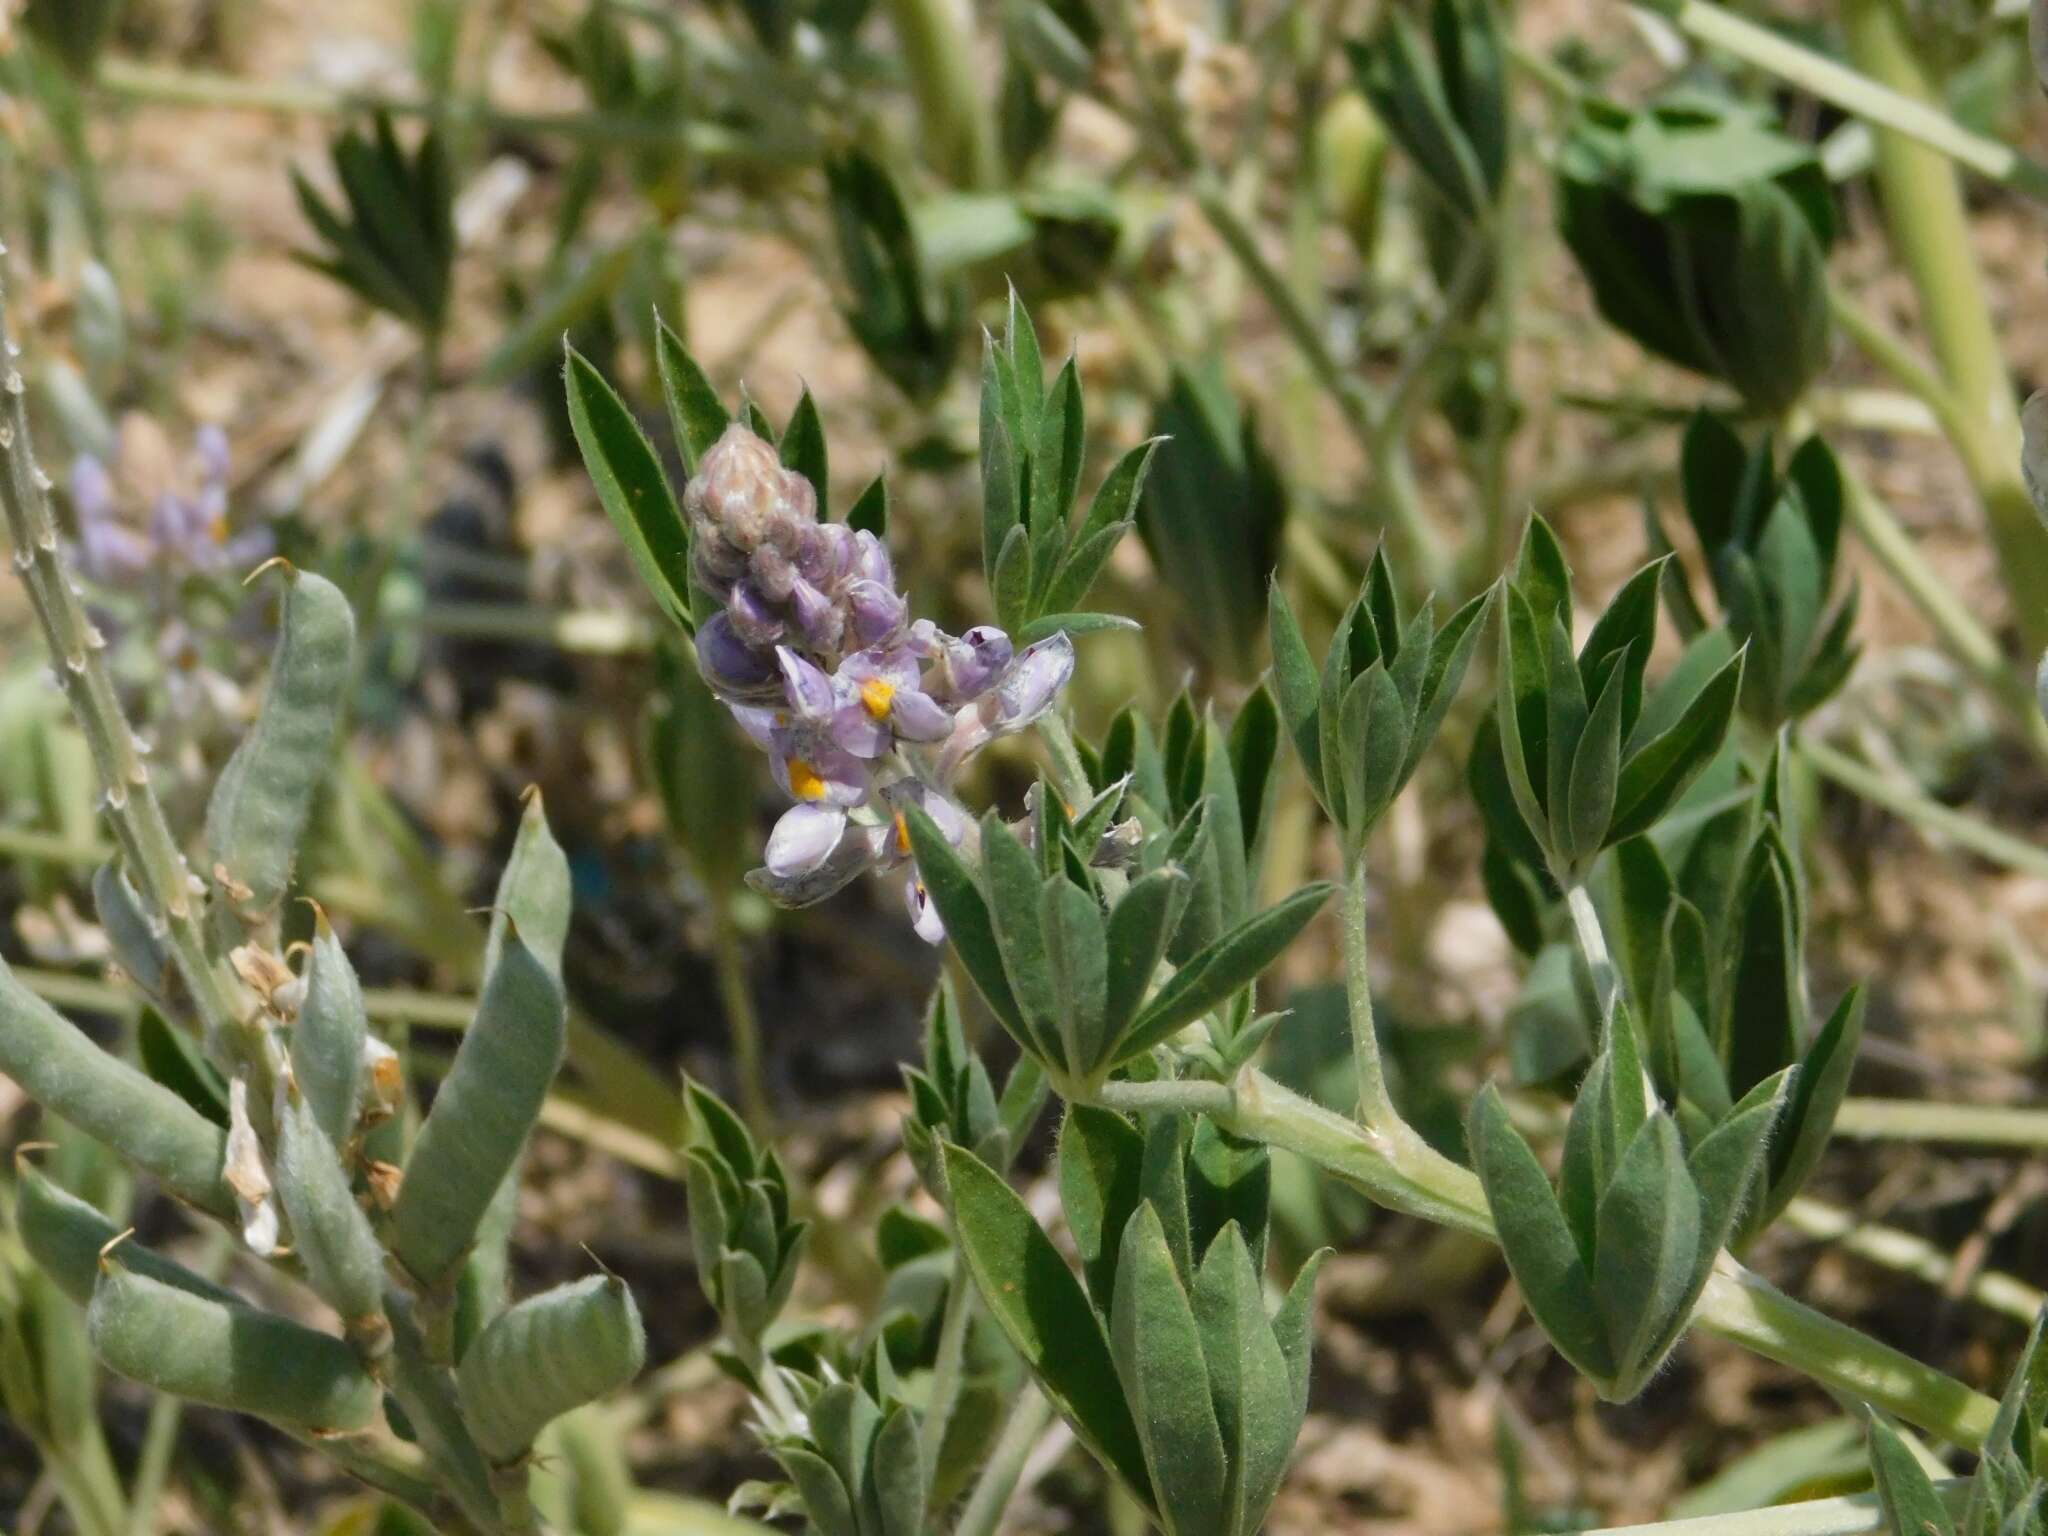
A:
[(136, 947), (106, 1098), (327, 1040), (332, 1234), (548, 1354), (480, 1119), (226, 1354), (264, 795), (66, 1236)]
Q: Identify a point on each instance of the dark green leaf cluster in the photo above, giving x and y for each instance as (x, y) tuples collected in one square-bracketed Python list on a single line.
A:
[(1041, 561), (1573, 750), (1212, 517), (2007, 1496), (1443, 97), (858, 1466), (1612, 1259), (1161, 1354), (741, 1232), (953, 1100), (1067, 973), (1362, 724), (391, 239), (1704, 233), (910, 322), (1771, 544), (1712, 947)]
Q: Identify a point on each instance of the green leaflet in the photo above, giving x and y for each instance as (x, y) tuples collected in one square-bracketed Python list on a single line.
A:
[(1249, 1380), (1158, 1351), (134, 940), (533, 892), (1647, 1247), (1221, 970), (103, 1096), (1907, 1492), (1100, 1163), (260, 804), (546, 1355), (1044, 1312), (226, 1354), (1541, 1250), (481, 1116), (631, 485)]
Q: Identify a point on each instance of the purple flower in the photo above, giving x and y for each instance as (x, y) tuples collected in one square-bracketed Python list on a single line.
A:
[(865, 716)]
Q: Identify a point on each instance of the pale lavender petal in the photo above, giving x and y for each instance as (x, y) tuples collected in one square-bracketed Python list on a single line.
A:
[(875, 611), (1033, 683), (828, 776), (871, 560), (918, 716), (92, 488), (758, 723), (211, 445), (970, 665), (855, 729), (803, 839), (806, 686)]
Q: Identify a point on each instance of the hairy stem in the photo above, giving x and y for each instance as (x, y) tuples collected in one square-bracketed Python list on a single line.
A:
[(1929, 227), (173, 897), (948, 1366), (1375, 1105), (1737, 1305)]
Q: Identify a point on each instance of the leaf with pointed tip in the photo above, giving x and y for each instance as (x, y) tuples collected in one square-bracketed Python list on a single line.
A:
[(1294, 1327), (1646, 1249), (1541, 1251), (1249, 1383), (1521, 717), (1043, 1311), (1139, 926), (969, 927), (696, 413), (1077, 962), (1158, 1352), (1596, 767), (1629, 625), (870, 511), (1223, 968), (1046, 625), (1820, 1083), (1115, 503), (1297, 688), (631, 485), (1908, 1494), (1373, 730), (1450, 654), (1657, 773), (1726, 1163), (1100, 1169), (803, 450)]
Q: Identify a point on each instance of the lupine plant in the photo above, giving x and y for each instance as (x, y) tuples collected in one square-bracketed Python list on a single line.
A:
[(1113, 929), (1116, 886)]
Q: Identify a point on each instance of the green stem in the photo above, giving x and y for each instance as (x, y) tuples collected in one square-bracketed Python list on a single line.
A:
[(1856, 1514), (1930, 229), (998, 1480), (1912, 805), (1068, 771), (1905, 1254), (1961, 635), (742, 1022), (1737, 1305), (1592, 941), (31, 846), (427, 1394), (1879, 102), (1375, 1104), (1974, 1125), (948, 1366), (938, 55), (77, 650), (1170, 1096)]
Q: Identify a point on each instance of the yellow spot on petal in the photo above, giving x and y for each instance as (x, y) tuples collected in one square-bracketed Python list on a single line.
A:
[(903, 834), (876, 694), (804, 781)]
